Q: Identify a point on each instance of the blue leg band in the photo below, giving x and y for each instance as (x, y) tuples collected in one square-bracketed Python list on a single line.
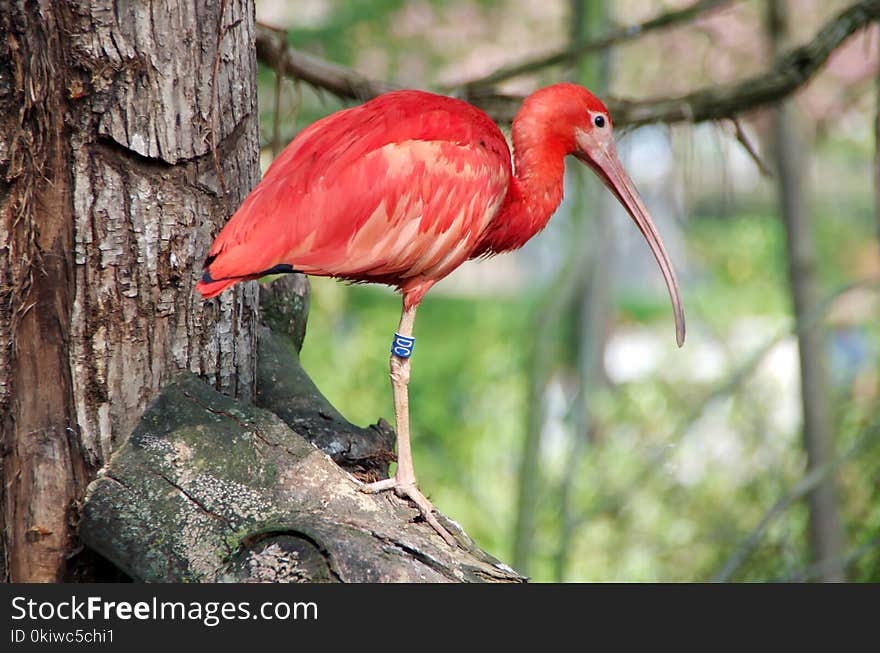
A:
[(402, 346)]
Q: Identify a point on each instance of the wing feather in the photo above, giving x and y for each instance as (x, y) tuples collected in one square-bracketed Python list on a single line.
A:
[(397, 188)]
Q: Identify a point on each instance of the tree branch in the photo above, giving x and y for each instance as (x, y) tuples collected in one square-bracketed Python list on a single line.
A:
[(613, 37), (273, 51), (791, 72), (210, 489), (877, 155), (714, 102), (816, 570), (613, 500), (801, 489), (750, 149)]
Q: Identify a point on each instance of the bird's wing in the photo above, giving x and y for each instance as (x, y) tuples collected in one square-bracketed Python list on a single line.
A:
[(370, 194)]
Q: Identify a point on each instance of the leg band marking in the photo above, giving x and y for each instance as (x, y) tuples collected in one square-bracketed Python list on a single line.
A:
[(402, 346)]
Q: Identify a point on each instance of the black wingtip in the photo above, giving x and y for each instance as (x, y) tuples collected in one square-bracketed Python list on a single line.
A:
[(281, 268)]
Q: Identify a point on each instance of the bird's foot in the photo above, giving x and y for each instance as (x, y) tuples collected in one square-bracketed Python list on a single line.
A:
[(411, 492)]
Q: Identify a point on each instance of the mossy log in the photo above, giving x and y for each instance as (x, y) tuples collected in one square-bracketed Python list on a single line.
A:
[(210, 489)]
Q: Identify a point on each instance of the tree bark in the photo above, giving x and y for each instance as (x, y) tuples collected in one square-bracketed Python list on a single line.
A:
[(284, 388), (826, 534), (109, 197), (210, 489)]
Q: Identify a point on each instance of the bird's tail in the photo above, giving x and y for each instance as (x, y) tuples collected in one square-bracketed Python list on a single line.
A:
[(211, 288)]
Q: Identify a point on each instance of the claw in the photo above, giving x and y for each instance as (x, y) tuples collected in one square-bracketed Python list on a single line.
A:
[(411, 492)]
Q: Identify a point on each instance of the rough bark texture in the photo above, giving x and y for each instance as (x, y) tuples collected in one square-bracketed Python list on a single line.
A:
[(210, 489), (147, 203), (284, 388), (109, 197), (42, 468)]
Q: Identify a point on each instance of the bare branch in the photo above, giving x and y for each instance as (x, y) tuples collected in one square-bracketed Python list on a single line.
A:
[(272, 50), (806, 485), (614, 37), (750, 149), (613, 500), (714, 102), (791, 72), (816, 570)]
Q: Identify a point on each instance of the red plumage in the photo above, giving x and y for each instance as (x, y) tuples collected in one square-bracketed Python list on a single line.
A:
[(398, 191), (404, 189)]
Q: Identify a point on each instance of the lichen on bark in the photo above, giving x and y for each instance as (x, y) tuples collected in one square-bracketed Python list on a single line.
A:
[(210, 489), (109, 198)]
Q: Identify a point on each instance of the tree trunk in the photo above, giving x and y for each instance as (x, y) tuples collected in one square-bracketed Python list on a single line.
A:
[(579, 294), (109, 198), (877, 155), (826, 534), (210, 489), (591, 307)]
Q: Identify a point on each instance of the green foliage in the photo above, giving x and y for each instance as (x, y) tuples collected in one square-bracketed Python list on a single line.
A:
[(677, 474), (467, 390), (640, 518)]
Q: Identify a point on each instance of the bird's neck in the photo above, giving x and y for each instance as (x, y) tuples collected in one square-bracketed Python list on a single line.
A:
[(535, 190)]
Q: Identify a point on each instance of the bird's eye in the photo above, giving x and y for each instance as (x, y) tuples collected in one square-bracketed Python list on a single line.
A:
[(599, 121)]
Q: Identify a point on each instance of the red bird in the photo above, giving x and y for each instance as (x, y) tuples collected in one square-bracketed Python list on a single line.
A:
[(407, 187)]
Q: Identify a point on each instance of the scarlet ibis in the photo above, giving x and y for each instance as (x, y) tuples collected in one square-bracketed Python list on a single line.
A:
[(407, 187)]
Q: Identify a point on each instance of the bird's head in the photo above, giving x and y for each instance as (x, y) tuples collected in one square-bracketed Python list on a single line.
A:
[(579, 124)]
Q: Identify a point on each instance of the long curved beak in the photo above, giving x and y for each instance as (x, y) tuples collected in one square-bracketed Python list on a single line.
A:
[(605, 163)]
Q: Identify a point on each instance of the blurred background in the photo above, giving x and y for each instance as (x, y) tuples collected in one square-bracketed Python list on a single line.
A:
[(553, 415)]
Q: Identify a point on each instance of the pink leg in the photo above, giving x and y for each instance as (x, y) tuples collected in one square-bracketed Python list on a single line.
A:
[(404, 481)]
